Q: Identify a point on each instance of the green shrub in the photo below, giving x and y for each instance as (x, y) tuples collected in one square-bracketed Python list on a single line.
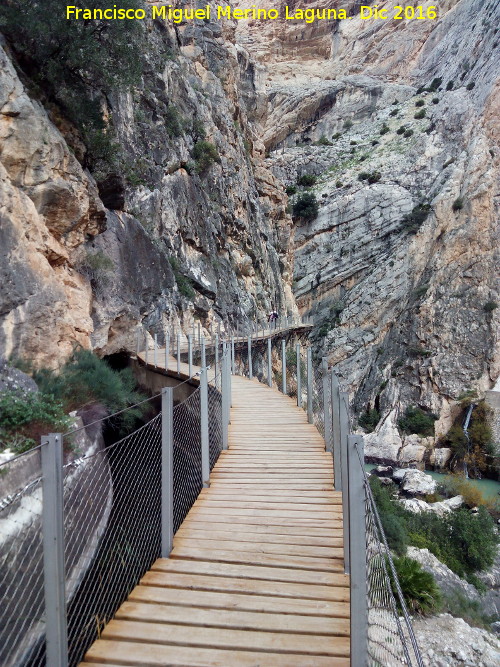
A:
[(348, 124), (323, 141), (363, 176), (456, 604), (306, 206), (291, 190), (85, 379), (339, 184), (464, 541), (394, 112), (435, 100), (408, 134), (204, 154), (471, 85), (419, 103), (401, 130), (98, 268), (353, 143), (306, 180), (198, 129), (419, 588), (392, 517), (173, 121), (458, 204), (385, 129), (449, 85), (420, 114), (395, 102), (369, 419), (490, 306), (413, 221), (75, 61), (435, 84), (28, 416), (374, 177), (419, 351), (336, 136), (184, 283), (416, 420), (421, 291)]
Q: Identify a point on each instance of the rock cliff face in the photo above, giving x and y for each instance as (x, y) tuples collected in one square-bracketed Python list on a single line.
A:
[(402, 258), (400, 262), (173, 244)]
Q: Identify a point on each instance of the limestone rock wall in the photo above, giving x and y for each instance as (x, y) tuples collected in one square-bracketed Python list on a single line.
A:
[(224, 233), (400, 312)]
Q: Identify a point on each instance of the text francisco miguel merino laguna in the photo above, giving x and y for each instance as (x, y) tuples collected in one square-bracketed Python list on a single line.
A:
[(179, 15)]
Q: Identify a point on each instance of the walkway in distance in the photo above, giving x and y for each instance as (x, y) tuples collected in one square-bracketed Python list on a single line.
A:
[(255, 578)]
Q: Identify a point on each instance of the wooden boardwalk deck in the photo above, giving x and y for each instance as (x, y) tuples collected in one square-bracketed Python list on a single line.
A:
[(255, 578)]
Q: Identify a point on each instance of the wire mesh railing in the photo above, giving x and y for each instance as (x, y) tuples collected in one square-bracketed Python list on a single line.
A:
[(21, 561), (121, 504), (107, 527)]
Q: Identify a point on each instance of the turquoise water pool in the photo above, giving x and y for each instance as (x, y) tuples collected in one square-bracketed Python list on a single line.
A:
[(488, 487)]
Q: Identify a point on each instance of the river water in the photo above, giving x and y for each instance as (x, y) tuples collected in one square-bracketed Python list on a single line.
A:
[(488, 487)]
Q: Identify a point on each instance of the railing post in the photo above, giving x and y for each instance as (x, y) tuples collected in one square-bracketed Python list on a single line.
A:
[(225, 399), (56, 634), (326, 405), (155, 350), (167, 350), (205, 444), (203, 352), (337, 460), (199, 334), (216, 357), (269, 363), (178, 353), (146, 348), (250, 370), (357, 538), (299, 379), (344, 434), (232, 356), (283, 365), (190, 355), (167, 471), (309, 386)]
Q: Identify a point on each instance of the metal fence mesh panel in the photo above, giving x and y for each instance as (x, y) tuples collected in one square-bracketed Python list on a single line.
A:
[(391, 641), (187, 456), (317, 400), (214, 424), (22, 612), (112, 530)]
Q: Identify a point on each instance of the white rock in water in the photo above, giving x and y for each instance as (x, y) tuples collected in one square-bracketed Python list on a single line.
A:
[(417, 483)]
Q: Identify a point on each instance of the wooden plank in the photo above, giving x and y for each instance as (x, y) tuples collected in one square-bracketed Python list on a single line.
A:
[(253, 586), (208, 533), (333, 551), (267, 513), (196, 599), (263, 519), (250, 572), (172, 634), (267, 505), (216, 497), (132, 654), (242, 620), (254, 530)]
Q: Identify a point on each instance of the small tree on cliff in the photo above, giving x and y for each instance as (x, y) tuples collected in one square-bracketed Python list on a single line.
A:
[(306, 207)]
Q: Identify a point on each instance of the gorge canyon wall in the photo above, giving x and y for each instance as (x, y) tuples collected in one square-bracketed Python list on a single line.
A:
[(400, 264)]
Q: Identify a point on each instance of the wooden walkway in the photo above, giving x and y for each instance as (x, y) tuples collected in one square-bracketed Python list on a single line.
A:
[(255, 578)]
